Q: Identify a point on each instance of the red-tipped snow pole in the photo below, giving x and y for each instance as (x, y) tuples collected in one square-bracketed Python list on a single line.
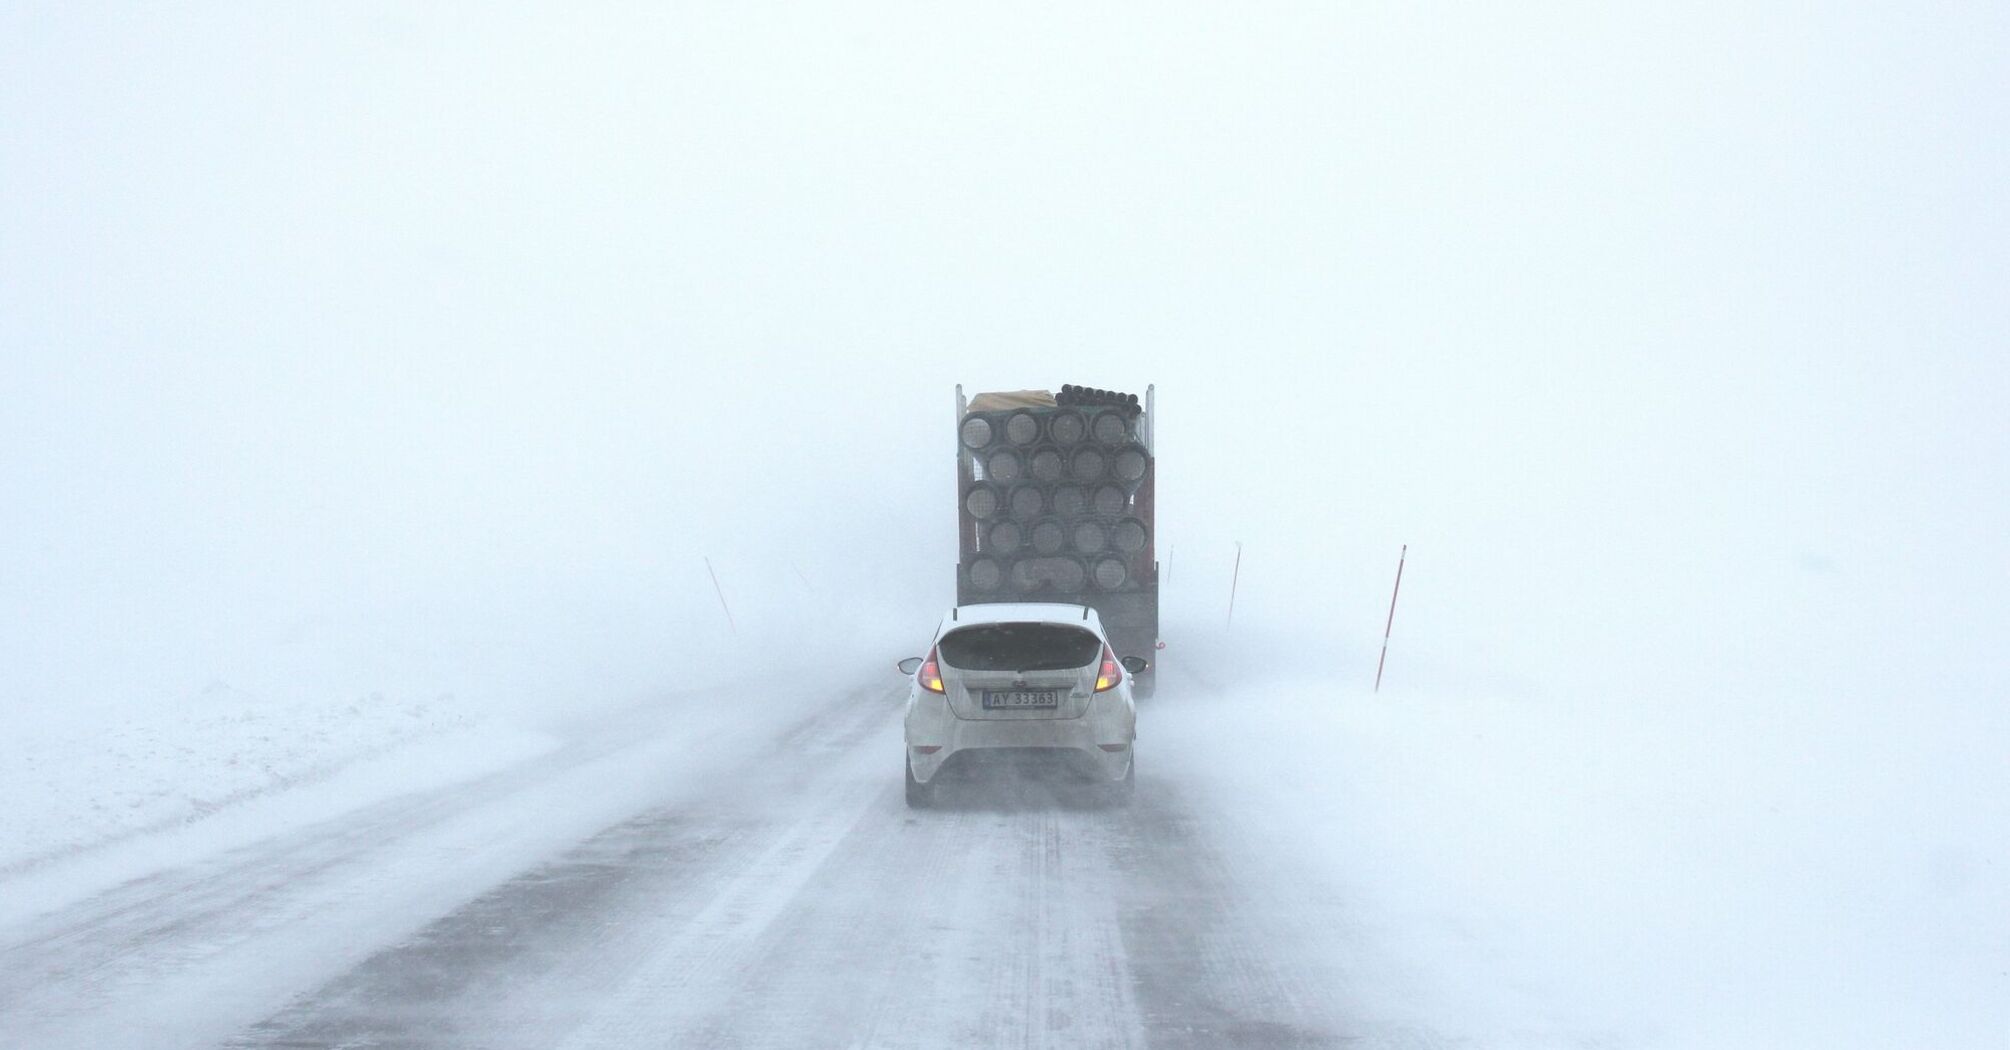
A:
[(1400, 558), (1233, 580), (734, 627)]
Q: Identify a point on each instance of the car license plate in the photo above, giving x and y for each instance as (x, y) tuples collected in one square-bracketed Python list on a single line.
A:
[(1016, 698)]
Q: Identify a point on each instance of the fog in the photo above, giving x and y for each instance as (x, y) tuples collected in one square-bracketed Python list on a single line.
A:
[(381, 351)]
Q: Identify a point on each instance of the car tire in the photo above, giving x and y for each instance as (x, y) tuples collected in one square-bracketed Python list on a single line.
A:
[(919, 795), (1120, 792)]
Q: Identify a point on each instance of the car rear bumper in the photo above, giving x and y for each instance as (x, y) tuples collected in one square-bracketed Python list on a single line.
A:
[(1102, 737)]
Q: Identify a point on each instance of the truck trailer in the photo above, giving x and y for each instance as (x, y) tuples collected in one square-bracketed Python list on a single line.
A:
[(1056, 495)]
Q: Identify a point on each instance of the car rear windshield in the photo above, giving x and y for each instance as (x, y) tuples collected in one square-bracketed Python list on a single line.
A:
[(1019, 647)]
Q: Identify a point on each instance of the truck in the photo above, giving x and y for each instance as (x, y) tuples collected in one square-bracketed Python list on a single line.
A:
[(1056, 497)]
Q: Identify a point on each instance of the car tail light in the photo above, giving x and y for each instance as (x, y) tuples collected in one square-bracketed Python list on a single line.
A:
[(1107, 676), (930, 675)]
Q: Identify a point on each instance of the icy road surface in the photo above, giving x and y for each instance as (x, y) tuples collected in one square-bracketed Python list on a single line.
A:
[(678, 878)]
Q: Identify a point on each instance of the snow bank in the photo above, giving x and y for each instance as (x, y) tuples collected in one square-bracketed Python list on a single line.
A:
[(83, 783), (1736, 869), (410, 700)]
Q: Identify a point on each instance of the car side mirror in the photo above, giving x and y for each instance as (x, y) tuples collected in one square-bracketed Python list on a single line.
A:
[(1135, 664), (909, 665)]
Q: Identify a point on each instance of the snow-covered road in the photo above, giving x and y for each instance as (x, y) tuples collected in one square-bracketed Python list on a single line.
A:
[(773, 891), (1303, 866)]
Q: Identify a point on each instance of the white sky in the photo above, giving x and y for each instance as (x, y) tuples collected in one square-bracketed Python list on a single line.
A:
[(1670, 339)]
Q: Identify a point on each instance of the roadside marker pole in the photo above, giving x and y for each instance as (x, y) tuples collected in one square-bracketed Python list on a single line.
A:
[(1233, 580), (735, 628), (1400, 559)]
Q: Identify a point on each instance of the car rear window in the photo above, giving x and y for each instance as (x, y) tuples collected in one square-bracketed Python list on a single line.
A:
[(1019, 647)]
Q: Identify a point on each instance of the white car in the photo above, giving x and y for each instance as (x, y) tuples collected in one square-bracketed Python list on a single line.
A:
[(1021, 677)]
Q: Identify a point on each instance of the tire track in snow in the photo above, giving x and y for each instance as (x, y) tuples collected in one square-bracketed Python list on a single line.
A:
[(794, 900), (536, 957), (185, 956)]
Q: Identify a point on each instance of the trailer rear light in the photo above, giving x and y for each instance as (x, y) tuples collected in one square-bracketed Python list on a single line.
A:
[(929, 749), (1111, 747), (930, 675), (1107, 676)]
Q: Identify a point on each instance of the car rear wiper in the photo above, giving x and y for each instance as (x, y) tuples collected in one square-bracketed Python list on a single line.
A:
[(1051, 667)]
